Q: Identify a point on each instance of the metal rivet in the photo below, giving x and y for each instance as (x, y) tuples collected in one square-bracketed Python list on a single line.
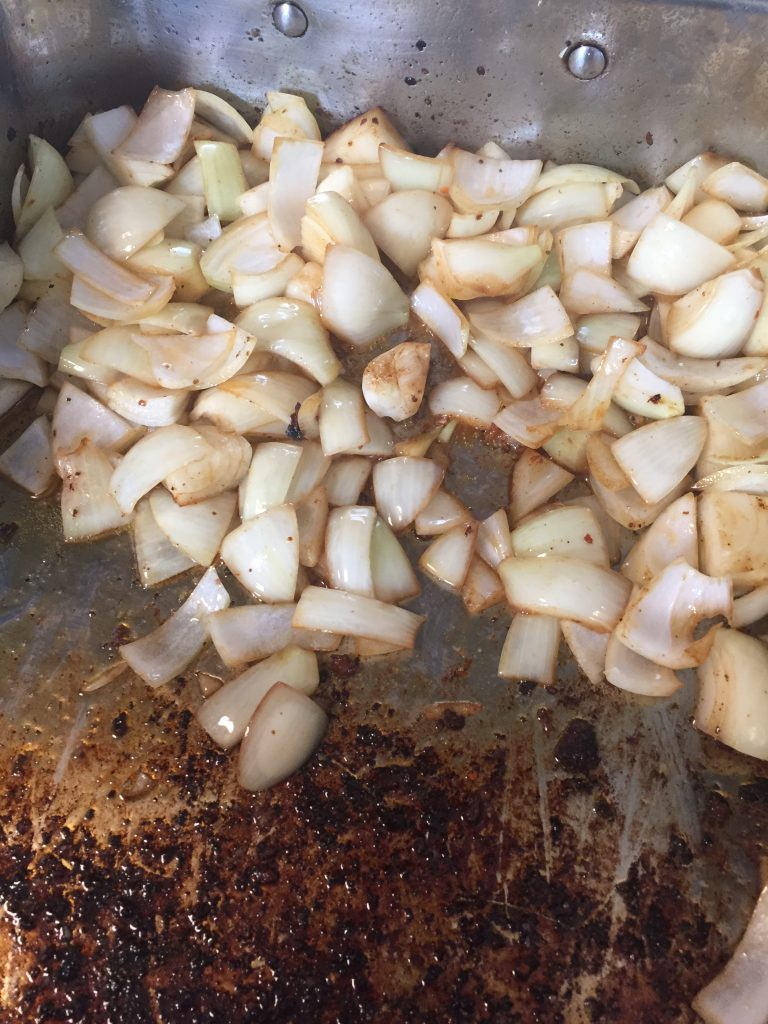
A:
[(290, 20), (586, 61)]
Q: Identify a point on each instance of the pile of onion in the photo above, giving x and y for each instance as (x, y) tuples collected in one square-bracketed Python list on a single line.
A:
[(193, 295)]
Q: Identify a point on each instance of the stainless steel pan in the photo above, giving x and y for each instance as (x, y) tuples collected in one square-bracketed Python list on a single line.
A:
[(565, 856)]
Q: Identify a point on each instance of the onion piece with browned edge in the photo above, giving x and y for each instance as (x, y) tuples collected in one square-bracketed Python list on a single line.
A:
[(660, 619)]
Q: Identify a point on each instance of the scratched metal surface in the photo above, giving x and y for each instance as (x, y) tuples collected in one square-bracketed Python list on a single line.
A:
[(573, 855)]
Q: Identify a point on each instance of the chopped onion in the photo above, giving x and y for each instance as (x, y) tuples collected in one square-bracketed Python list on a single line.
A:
[(447, 559), (734, 536), (563, 205), (588, 648), (404, 224), (312, 517), (480, 182), (292, 329), (50, 184), (393, 577), (272, 392), (715, 319), (471, 268), (715, 219), (629, 220), (569, 449), (146, 405), (403, 487), (28, 461), (661, 618), (739, 186), (461, 398), (220, 467), (571, 531), (628, 508), (223, 178), (284, 731), (255, 631), (152, 458), (555, 176), (533, 482), (222, 115), (161, 130), (565, 588), (587, 292), (358, 141), (494, 543), (482, 588), (335, 611), (17, 363), (658, 456), (405, 170), (348, 549), (102, 307), (156, 558), (442, 317), (556, 355), (740, 990), (699, 376), (443, 512), (269, 477), (38, 249), (99, 271), (247, 245), (330, 220), (166, 652), (194, 362), (263, 554), (469, 225), (673, 535), (346, 478), (733, 701), (393, 383), (745, 413), (750, 479), (49, 323), (293, 172), (672, 258), (750, 608), (11, 275), (226, 714), (284, 116), (586, 247), (602, 465), (198, 529), (77, 417), (594, 332), (644, 393), (528, 421), (538, 317), (588, 412), (88, 509), (530, 649), (343, 426), (124, 220), (509, 365), (361, 301), (630, 671)]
